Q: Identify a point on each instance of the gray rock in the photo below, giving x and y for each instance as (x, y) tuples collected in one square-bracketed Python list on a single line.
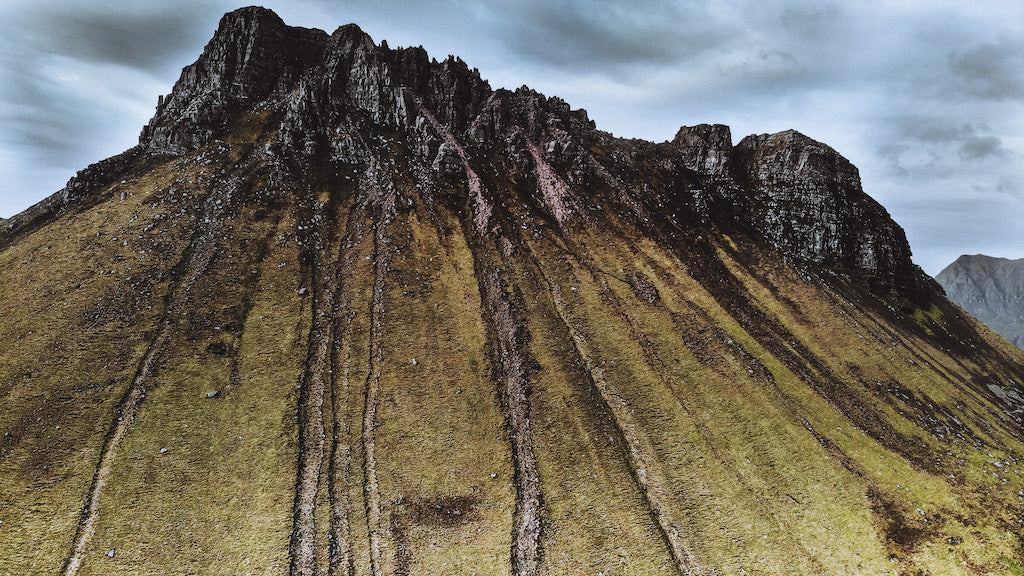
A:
[(213, 393), (992, 289), (705, 148), (808, 201), (800, 194)]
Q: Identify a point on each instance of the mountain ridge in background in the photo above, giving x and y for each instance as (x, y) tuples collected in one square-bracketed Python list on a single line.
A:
[(347, 309), (992, 289)]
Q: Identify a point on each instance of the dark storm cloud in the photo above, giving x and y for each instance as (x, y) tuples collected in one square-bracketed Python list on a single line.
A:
[(992, 70), (76, 79), (138, 40), (607, 33), (926, 98)]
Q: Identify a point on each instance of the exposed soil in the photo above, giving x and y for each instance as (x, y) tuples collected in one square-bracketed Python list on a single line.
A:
[(436, 513), (902, 531)]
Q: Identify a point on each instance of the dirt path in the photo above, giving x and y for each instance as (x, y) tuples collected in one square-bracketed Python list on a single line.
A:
[(641, 455), (312, 436), (383, 199), (509, 355), (199, 255)]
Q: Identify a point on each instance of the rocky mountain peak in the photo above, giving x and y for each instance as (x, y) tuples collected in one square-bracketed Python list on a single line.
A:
[(322, 90), (255, 61), (809, 201), (992, 289), (252, 55)]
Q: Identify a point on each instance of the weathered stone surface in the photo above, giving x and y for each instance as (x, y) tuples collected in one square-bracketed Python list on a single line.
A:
[(252, 56), (705, 148), (992, 289), (807, 200), (800, 194)]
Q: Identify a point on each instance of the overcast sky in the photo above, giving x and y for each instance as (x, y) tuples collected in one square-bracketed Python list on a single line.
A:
[(925, 97)]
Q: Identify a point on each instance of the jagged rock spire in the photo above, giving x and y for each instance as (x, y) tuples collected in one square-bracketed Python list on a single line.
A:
[(801, 195)]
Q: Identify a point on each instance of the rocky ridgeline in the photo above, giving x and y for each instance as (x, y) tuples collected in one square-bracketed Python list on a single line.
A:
[(326, 90), (992, 289), (808, 201)]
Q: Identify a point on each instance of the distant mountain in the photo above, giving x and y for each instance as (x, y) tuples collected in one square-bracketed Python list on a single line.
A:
[(348, 310), (992, 289)]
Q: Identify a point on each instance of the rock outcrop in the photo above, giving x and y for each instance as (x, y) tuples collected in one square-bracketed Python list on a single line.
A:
[(807, 199), (252, 56), (705, 148), (992, 289), (798, 193)]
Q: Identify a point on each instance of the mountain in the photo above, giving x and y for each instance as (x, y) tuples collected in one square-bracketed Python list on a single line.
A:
[(992, 289), (347, 309)]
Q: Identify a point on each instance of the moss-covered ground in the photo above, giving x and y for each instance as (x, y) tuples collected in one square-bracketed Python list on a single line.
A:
[(705, 408)]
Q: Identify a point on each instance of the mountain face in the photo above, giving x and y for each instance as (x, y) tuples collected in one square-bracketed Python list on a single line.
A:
[(348, 310), (992, 289)]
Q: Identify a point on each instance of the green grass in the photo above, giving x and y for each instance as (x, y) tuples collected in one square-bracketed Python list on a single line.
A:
[(756, 470)]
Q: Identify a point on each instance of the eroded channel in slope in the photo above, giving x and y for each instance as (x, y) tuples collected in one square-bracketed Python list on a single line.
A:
[(382, 197), (316, 383), (197, 259), (507, 335)]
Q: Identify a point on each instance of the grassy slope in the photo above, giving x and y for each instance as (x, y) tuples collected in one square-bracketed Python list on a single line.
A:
[(670, 424), (444, 467), (74, 328)]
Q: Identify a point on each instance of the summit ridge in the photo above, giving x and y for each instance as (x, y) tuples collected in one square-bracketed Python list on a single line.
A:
[(801, 194)]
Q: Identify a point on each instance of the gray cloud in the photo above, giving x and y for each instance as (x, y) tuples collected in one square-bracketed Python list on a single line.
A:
[(981, 147), (146, 35), (133, 40), (991, 70), (608, 33), (78, 80), (924, 148)]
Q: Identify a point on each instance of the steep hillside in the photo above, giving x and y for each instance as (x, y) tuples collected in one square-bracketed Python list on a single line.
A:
[(992, 289), (348, 310)]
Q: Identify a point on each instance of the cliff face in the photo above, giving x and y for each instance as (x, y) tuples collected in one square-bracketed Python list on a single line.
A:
[(992, 289), (349, 310), (801, 195), (809, 202)]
